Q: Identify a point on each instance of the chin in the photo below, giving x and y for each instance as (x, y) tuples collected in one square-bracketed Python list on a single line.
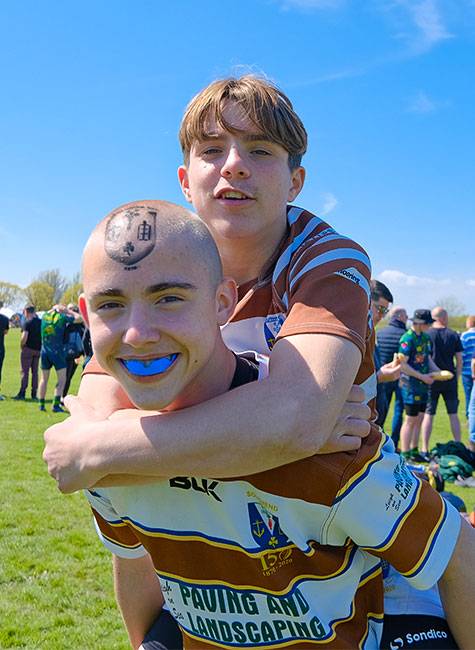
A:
[(146, 402)]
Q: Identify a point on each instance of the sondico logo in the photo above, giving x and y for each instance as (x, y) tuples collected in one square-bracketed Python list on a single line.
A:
[(191, 483), (417, 636)]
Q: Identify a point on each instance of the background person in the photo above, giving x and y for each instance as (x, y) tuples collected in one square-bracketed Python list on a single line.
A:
[(468, 343), (4, 327), (416, 366), (446, 346), (30, 344), (471, 409), (381, 298), (387, 339), (73, 339), (53, 351)]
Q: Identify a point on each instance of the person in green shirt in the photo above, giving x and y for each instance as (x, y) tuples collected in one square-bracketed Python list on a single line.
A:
[(415, 349), (53, 351)]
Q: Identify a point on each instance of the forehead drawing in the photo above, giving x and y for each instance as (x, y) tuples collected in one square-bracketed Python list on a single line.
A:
[(131, 234)]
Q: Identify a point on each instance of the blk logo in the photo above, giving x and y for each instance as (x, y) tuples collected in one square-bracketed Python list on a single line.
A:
[(198, 485)]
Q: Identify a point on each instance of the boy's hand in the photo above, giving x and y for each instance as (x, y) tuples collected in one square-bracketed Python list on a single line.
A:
[(66, 445), (352, 425)]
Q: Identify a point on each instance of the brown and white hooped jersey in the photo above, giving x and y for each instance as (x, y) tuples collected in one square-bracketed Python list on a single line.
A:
[(287, 557), (317, 282)]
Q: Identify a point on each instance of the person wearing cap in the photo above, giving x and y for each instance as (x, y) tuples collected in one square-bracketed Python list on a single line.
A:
[(415, 348)]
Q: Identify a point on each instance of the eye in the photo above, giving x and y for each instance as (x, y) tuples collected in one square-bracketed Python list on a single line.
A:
[(169, 300), (211, 151), (261, 152), (106, 306)]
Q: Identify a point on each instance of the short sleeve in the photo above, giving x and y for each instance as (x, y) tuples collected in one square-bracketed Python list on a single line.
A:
[(405, 345), (404, 521), (327, 290), (116, 535)]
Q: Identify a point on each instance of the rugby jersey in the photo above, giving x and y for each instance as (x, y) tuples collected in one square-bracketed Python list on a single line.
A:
[(287, 557), (468, 342), (281, 558)]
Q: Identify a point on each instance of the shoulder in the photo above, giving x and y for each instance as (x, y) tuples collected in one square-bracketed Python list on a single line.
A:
[(306, 231), (313, 244)]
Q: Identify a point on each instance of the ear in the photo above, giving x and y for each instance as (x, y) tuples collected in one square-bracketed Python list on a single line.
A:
[(184, 182), (226, 300), (297, 179), (83, 308)]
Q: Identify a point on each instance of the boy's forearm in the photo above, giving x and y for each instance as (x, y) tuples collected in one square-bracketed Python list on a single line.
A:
[(236, 433), (138, 595)]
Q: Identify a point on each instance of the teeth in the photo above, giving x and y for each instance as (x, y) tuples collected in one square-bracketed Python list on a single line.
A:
[(233, 195), (149, 367)]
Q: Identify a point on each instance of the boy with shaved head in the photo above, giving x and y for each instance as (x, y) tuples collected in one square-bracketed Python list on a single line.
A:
[(282, 557)]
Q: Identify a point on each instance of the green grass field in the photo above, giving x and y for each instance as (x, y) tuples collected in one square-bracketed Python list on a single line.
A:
[(55, 577)]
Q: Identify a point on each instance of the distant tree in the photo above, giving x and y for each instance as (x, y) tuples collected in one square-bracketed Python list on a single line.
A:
[(457, 323), (72, 293), (40, 294), (10, 293), (452, 304), (55, 280)]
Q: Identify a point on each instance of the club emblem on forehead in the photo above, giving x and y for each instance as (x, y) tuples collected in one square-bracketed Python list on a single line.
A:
[(131, 235)]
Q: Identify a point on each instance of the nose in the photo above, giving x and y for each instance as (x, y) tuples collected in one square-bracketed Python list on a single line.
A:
[(234, 165), (141, 328)]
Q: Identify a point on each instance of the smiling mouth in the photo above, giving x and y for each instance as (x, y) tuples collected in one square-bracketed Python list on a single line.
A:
[(233, 195), (149, 367)]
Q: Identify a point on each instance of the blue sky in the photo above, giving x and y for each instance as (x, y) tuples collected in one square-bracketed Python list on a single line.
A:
[(93, 92)]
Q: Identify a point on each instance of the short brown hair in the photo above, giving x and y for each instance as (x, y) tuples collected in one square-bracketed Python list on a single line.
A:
[(267, 107)]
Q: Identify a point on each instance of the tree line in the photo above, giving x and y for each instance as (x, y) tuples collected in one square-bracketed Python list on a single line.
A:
[(47, 289)]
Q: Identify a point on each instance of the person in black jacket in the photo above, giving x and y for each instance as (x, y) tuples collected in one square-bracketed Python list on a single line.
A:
[(386, 372), (73, 339), (388, 344)]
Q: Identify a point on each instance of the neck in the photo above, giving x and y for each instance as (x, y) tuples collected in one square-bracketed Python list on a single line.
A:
[(244, 259), (213, 380), (438, 325)]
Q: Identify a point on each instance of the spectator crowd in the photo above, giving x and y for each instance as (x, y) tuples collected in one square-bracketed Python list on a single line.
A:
[(57, 339)]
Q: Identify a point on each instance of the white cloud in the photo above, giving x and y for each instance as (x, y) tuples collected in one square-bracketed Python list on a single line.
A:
[(329, 203), (428, 23), (422, 104), (401, 279), (417, 291)]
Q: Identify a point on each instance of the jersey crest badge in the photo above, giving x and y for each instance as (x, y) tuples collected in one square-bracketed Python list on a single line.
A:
[(272, 326), (265, 528)]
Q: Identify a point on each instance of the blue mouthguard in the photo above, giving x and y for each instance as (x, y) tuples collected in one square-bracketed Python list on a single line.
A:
[(149, 368)]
